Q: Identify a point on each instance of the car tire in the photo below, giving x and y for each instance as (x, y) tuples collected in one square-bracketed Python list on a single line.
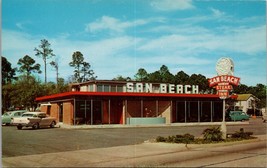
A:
[(35, 126), (19, 127), (52, 125)]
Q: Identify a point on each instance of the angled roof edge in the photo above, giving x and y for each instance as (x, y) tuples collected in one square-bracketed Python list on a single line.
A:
[(124, 94), (245, 97)]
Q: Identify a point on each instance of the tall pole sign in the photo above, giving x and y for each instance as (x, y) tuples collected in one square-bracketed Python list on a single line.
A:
[(223, 83)]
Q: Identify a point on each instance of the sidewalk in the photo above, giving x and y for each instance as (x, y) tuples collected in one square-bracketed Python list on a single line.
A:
[(139, 155), (150, 125)]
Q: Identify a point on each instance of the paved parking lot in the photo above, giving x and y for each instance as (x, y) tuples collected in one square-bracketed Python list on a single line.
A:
[(25, 142)]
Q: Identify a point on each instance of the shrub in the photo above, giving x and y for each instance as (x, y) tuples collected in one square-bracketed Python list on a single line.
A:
[(241, 134), (186, 138), (160, 139), (212, 134), (170, 139)]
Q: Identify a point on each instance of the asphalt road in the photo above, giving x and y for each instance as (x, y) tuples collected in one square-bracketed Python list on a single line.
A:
[(243, 155), (26, 142)]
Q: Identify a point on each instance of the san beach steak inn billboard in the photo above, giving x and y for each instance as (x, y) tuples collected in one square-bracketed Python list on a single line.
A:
[(225, 79)]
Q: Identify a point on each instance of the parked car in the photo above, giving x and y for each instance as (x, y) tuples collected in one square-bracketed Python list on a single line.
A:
[(34, 120), (6, 117), (238, 116)]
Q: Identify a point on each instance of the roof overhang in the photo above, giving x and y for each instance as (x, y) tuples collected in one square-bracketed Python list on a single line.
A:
[(123, 94)]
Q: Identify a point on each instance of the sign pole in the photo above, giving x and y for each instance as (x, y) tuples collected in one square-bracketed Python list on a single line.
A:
[(223, 126)]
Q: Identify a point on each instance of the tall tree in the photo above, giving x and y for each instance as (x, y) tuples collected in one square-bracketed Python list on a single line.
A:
[(82, 71), (165, 74), (77, 62), (141, 75), (25, 90), (181, 78), (201, 81), (28, 66), (154, 77), (121, 78), (45, 52), (8, 73)]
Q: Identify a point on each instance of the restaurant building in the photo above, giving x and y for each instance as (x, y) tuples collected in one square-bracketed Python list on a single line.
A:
[(131, 103)]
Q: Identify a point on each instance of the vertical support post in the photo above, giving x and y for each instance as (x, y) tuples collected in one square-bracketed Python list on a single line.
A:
[(92, 112), (125, 112), (157, 108), (142, 108), (223, 126), (85, 111), (74, 112), (108, 111), (198, 113), (171, 112), (185, 111)]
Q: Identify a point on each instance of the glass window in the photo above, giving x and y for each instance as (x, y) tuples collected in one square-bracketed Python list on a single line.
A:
[(119, 89), (100, 88), (91, 88), (113, 88), (106, 88)]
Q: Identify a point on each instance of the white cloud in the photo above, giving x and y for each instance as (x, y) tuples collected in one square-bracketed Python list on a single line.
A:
[(113, 24), (124, 55), (171, 5), (240, 40), (217, 13)]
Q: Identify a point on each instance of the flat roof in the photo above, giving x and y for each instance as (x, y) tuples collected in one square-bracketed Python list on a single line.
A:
[(124, 94)]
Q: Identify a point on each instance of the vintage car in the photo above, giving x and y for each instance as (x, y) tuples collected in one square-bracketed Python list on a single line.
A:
[(34, 120), (6, 117), (238, 116)]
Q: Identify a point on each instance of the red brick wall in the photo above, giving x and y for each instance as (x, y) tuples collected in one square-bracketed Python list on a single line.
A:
[(68, 113), (54, 111), (43, 108)]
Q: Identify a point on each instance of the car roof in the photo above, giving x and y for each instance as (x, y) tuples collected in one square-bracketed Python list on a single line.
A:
[(16, 111), (35, 112)]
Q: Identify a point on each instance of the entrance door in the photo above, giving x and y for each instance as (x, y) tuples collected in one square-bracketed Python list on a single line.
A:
[(60, 112)]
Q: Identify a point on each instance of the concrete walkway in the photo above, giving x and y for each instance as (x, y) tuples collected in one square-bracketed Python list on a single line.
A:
[(83, 126), (146, 154)]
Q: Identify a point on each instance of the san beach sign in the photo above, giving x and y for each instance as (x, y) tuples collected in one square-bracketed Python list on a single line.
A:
[(225, 79), (161, 88)]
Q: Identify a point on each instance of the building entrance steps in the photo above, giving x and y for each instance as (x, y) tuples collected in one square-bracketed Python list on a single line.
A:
[(145, 154)]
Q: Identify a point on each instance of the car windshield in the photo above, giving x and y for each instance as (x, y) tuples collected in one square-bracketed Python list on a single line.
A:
[(28, 115), (7, 114)]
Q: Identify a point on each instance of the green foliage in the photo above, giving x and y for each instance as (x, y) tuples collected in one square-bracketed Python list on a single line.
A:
[(25, 90), (160, 139), (186, 138), (212, 134), (141, 75), (8, 73), (28, 66), (121, 78), (82, 70), (45, 52), (241, 134), (259, 91)]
